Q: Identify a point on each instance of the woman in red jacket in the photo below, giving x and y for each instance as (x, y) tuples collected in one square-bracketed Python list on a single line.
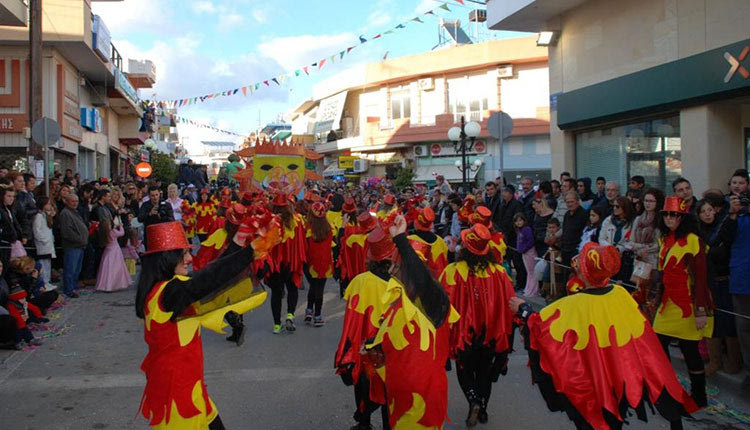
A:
[(319, 260)]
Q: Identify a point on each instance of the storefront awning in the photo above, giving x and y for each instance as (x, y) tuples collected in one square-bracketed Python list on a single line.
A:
[(333, 170), (451, 173)]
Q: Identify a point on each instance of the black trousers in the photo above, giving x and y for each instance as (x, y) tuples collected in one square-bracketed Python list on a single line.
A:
[(8, 329), (521, 274), (474, 371), (689, 349), (365, 406), (44, 300), (343, 283), (315, 295), (216, 424), (277, 281)]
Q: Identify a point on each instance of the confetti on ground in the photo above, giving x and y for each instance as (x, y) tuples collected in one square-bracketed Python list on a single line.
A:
[(68, 354), (56, 331), (714, 405)]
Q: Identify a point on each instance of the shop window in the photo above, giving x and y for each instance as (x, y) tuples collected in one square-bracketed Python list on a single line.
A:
[(651, 149), (400, 105)]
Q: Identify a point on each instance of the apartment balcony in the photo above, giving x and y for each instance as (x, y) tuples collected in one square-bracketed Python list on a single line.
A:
[(142, 74)]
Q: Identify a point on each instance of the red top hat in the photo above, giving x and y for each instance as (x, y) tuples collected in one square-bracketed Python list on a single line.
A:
[(366, 221), (389, 199), (477, 239), (236, 214), (425, 219), (318, 210), (380, 245), (166, 236), (675, 204), (280, 200), (349, 206), (596, 264), (482, 215)]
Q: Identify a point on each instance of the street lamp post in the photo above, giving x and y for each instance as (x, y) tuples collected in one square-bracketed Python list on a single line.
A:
[(458, 136)]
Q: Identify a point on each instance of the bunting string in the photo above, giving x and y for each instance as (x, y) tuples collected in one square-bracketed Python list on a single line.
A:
[(183, 120), (316, 66)]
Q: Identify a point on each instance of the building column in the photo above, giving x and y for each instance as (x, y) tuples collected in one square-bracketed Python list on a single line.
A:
[(562, 149), (712, 144)]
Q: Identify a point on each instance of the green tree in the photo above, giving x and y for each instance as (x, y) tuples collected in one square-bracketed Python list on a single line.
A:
[(404, 178), (164, 168)]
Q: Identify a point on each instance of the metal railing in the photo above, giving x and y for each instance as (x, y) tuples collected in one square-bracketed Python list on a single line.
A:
[(469, 116), (116, 58)]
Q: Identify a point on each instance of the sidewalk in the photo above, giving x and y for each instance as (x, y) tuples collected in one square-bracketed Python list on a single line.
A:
[(725, 394)]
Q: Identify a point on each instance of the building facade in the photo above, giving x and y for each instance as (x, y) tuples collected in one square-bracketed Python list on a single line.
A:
[(373, 120), (85, 89), (657, 88)]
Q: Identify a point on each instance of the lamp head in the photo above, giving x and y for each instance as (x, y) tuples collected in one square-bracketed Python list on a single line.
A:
[(472, 129), (454, 134)]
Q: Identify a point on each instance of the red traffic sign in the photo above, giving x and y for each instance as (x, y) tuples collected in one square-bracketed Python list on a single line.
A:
[(480, 146), (143, 170), (436, 149)]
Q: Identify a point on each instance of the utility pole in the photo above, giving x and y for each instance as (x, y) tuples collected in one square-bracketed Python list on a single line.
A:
[(35, 74)]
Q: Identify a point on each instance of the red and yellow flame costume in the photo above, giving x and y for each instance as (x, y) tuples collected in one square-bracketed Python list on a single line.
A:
[(498, 248), (335, 219), (188, 219), (594, 354), (352, 257), (481, 298), (320, 256), (210, 249), (290, 252), (437, 258), (205, 213), (175, 396), (683, 264), (364, 307), (415, 356)]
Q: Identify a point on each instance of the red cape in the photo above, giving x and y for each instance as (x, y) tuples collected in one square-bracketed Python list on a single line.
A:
[(353, 254), (602, 357)]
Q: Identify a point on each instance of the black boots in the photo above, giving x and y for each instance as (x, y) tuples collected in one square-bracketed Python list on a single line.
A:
[(238, 328), (474, 408), (698, 388), (483, 417)]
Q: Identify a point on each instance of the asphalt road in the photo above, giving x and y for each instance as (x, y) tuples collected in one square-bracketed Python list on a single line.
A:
[(89, 377)]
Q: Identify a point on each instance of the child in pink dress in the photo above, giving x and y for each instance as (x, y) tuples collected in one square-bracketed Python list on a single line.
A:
[(113, 274)]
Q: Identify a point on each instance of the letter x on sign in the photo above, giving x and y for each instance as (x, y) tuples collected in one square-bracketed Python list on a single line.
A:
[(735, 64)]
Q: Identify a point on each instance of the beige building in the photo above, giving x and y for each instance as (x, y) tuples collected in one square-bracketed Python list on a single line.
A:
[(657, 88), (373, 120), (85, 89)]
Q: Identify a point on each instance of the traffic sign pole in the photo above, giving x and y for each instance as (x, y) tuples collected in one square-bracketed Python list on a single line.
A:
[(46, 161)]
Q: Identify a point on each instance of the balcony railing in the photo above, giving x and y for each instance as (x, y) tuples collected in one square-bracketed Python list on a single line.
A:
[(468, 116), (116, 58)]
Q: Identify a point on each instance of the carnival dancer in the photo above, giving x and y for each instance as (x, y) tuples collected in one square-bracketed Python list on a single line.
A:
[(225, 202), (364, 307), (411, 347), (353, 239), (319, 261), (594, 355), (482, 338), (286, 262), (437, 257), (188, 219), (211, 249), (388, 206), (685, 303), (483, 215), (205, 213), (167, 299)]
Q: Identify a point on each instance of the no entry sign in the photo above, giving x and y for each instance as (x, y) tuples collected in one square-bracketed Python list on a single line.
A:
[(143, 170)]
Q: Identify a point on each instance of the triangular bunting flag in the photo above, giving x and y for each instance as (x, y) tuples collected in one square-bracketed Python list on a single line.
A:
[(276, 80), (257, 85), (320, 63), (377, 37), (389, 32), (445, 7), (296, 72), (305, 69), (266, 82), (461, 1), (429, 12), (341, 54), (282, 78), (244, 91), (332, 58), (416, 19), (400, 26), (349, 49), (362, 39)]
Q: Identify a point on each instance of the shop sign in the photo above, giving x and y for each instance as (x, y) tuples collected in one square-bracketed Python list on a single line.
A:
[(123, 85), (143, 170), (735, 65), (71, 129), (13, 123), (145, 155), (329, 113), (102, 40), (346, 162)]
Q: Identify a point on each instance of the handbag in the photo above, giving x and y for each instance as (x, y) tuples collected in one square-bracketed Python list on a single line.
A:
[(641, 270)]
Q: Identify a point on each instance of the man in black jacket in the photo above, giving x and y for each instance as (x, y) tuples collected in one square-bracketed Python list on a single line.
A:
[(510, 207), (527, 198), (493, 201), (575, 221), (154, 211)]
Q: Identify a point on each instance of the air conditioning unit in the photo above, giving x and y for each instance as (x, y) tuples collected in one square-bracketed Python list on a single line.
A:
[(420, 151), (505, 71), (360, 166), (426, 84)]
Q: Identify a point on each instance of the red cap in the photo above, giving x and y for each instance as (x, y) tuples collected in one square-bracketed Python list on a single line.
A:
[(166, 236), (318, 210), (389, 199), (236, 214), (280, 200), (477, 239), (482, 215), (675, 204), (596, 264), (349, 206), (366, 221), (204, 190), (425, 219), (380, 245)]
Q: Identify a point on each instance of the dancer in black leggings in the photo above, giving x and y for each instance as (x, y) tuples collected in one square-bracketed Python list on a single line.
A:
[(319, 237), (277, 281)]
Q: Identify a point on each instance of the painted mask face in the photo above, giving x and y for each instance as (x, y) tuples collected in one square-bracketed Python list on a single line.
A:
[(283, 173)]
